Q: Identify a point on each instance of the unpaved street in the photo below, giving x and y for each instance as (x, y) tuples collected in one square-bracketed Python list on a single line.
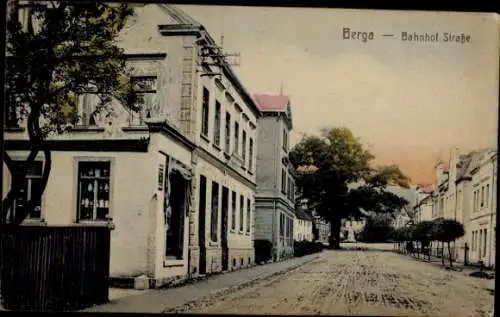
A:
[(353, 282)]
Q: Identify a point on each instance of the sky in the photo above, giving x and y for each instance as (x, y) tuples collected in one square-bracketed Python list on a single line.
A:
[(409, 103)]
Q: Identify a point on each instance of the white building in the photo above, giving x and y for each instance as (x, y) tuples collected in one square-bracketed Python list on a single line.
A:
[(466, 192), (423, 207), (177, 180), (303, 225), (483, 209)]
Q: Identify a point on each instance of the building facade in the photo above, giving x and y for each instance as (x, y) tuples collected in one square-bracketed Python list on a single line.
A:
[(218, 114), (303, 225), (191, 148), (483, 209), (275, 198), (466, 191)]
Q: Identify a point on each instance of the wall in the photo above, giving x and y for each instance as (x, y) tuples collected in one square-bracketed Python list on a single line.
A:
[(128, 206), (482, 217), (237, 241), (268, 162)]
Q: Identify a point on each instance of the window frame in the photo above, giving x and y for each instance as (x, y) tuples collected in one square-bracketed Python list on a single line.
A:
[(38, 160), (217, 123), (205, 112), (76, 161)]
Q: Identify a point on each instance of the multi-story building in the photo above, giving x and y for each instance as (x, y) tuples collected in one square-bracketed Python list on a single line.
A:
[(176, 180), (423, 207), (216, 111), (483, 209), (303, 225), (465, 193), (275, 199)]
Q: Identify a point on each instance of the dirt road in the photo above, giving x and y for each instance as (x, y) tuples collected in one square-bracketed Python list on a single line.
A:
[(352, 282)]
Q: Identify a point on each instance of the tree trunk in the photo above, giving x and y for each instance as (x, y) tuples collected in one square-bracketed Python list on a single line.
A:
[(449, 254), (334, 240), (442, 253)]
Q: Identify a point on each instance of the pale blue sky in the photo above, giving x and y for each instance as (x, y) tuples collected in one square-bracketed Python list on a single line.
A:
[(413, 96)]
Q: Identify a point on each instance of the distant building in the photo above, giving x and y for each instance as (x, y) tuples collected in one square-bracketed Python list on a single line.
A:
[(275, 197), (303, 225)]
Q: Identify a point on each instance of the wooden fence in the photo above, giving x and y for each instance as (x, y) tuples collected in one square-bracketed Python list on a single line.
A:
[(55, 268)]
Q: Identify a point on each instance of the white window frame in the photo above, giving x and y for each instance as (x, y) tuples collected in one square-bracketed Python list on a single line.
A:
[(93, 159)]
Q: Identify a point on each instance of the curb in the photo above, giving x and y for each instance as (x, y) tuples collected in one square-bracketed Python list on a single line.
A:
[(230, 289)]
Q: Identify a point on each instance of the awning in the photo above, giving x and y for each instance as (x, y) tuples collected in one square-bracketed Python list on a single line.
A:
[(183, 171)]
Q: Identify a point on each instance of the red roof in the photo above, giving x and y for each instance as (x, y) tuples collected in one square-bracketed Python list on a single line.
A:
[(272, 103)]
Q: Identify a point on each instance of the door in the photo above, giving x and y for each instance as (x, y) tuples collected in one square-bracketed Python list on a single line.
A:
[(201, 224), (225, 211)]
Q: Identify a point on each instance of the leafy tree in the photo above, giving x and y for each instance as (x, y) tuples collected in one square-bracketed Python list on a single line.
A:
[(423, 232), (447, 231), (339, 160), (376, 229), (65, 49)]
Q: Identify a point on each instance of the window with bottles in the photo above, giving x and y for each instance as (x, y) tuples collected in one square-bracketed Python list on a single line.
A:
[(30, 191), (93, 190)]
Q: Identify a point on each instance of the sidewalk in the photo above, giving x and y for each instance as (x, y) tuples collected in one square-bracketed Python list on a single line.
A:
[(457, 266), (159, 300)]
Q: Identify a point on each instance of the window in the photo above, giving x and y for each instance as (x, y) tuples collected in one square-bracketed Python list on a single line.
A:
[(250, 155), (474, 204), (282, 225), (283, 181), (236, 137), (285, 140), (93, 190), (215, 212), (242, 202), (233, 211), (249, 215), (482, 196), (202, 205), (30, 190), (244, 147), (487, 194), (145, 88), (228, 133), (205, 112), (217, 123), (485, 242)]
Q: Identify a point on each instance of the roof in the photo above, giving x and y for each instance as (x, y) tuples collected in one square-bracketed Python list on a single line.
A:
[(307, 169), (301, 213), (272, 103)]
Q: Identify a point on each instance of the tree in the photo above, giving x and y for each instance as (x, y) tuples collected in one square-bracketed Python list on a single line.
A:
[(376, 229), (64, 50), (339, 160), (423, 232), (446, 231)]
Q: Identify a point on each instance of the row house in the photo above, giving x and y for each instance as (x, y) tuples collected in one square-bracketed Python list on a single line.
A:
[(275, 197), (466, 191), (175, 180), (303, 225)]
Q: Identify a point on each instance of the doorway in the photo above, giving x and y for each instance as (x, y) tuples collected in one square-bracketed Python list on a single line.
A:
[(201, 224), (175, 218)]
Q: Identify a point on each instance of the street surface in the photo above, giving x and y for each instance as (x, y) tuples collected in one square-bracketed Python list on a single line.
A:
[(354, 282)]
